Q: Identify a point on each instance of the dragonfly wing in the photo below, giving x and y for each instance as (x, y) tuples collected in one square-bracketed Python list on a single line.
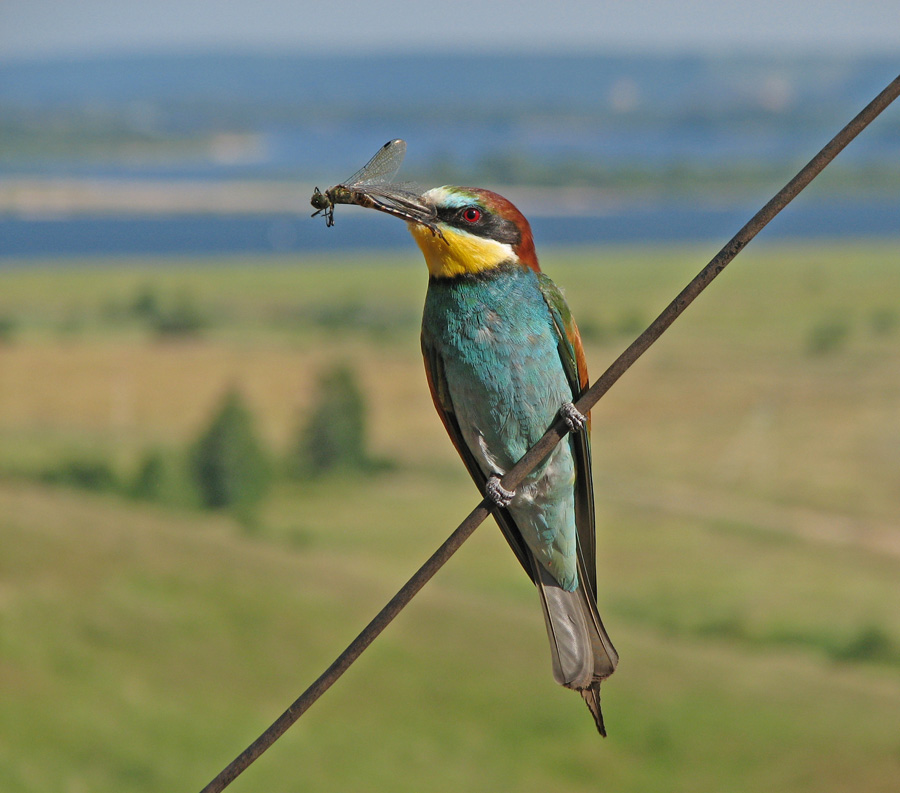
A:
[(394, 196), (382, 168)]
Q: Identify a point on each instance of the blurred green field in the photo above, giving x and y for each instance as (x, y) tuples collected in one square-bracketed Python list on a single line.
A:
[(748, 486)]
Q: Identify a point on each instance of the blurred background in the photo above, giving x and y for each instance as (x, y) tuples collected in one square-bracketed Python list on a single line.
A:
[(218, 455)]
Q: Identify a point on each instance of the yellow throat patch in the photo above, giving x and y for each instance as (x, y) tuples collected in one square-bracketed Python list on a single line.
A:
[(459, 253)]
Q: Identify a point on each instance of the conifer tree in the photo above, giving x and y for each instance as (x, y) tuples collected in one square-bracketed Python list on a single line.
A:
[(230, 465), (334, 435)]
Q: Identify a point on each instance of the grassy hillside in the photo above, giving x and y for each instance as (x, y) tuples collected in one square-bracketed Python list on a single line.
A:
[(749, 545)]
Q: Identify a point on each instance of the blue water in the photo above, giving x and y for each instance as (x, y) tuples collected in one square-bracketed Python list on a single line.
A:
[(190, 235), (320, 116), (314, 119)]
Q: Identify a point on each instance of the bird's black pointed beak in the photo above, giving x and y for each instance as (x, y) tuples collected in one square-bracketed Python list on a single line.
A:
[(399, 202)]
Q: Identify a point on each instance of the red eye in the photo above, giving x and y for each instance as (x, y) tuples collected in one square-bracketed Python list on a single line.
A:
[(472, 215)]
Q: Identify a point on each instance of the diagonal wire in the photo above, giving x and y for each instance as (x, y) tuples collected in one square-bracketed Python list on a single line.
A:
[(554, 434)]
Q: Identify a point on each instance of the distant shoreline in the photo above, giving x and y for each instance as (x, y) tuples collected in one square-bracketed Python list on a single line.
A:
[(62, 198)]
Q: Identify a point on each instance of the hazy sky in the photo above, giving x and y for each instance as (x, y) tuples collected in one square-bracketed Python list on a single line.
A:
[(38, 27)]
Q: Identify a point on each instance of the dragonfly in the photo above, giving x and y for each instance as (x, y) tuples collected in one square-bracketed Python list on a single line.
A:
[(372, 187)]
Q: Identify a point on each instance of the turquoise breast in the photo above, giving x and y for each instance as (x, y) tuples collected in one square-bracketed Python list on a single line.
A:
[(499, 350)]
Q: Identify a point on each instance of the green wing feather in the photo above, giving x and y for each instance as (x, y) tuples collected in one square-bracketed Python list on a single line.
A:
[(571, 353)]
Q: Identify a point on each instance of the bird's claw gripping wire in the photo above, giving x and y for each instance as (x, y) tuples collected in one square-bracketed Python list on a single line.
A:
[(498, 494), (574, 418)]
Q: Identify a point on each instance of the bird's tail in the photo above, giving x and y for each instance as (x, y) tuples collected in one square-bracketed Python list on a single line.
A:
[(581, 651)]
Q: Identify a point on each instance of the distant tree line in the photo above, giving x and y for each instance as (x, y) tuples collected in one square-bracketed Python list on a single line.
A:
[(228, 466)]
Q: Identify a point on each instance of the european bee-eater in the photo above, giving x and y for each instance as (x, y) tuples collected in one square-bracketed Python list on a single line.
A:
[(504, 358)]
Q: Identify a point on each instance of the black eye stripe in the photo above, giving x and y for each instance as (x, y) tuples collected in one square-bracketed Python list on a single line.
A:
[(489, 225)]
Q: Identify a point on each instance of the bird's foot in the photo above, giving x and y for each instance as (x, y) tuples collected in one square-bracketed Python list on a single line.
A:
[(497, 493), (574, 418)]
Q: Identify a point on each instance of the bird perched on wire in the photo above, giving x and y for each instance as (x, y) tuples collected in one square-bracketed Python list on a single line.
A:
[(503, 359)]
